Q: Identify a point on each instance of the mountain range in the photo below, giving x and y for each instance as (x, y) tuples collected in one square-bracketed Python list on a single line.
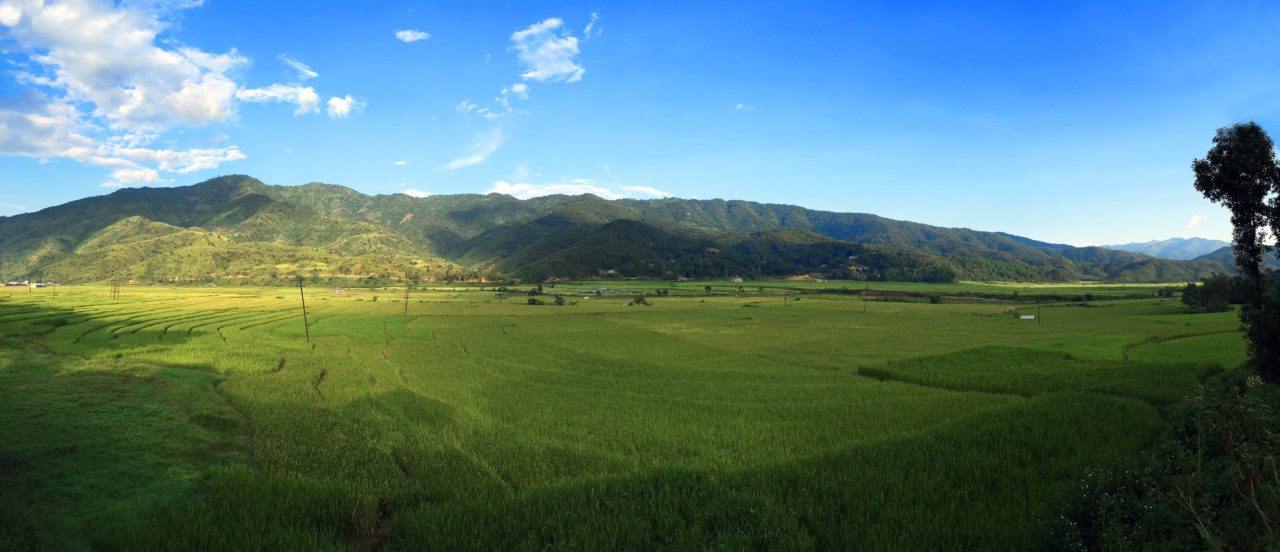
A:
[(1178, 249), (238, 227)]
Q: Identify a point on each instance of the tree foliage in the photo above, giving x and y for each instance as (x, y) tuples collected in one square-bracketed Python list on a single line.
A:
[(1241, 173), (1214, 294)]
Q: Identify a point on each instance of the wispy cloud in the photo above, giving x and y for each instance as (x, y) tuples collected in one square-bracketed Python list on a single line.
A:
[(340, 108), (305, 97), (548, 52), (400, 163), (478, 152), (518, 91), (525, 190), (591, 26), (13, 208), (744, 107), (1195, 220), (125, 176), (576, 186), (304, 72), (647, 191), (416, 193), (410, 35)]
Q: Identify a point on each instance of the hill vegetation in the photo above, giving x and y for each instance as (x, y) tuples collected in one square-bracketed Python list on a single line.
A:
[(1178, 249), (238, 227)]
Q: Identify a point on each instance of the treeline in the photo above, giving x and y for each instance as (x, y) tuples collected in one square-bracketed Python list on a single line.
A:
[(627, 248)]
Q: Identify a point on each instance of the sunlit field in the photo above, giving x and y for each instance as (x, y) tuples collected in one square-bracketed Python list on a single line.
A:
[(754, 415)]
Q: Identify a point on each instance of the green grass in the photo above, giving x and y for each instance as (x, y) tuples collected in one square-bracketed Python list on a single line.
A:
[(201, 419), (1028, 372)]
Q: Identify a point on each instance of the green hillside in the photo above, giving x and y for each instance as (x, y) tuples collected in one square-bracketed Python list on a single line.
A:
[(236, 226), (476, 228), (225, 227)]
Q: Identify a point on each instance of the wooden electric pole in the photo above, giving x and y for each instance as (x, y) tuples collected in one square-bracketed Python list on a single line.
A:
[(305, 327)]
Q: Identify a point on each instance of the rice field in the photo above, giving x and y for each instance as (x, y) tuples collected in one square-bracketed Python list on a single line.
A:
[(465, 418)]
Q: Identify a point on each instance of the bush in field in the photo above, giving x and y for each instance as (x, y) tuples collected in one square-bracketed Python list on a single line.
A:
[(1213, 294), (639, 300), (1213, 486)]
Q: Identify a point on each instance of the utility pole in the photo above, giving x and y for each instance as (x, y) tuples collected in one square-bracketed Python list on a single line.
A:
[(305, 327), (865, 292), (411, 278)]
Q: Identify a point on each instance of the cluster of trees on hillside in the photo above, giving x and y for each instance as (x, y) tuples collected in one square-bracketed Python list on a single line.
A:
[(1213, 294), (628, 248)]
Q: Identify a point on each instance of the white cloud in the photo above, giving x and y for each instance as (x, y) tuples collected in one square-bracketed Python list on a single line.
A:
[(409, 35), (591, 25), (577, 186), (647, 191), (101, 86), (400, 163), (304, 72), (518, 90), (34, 126), (12, 207), (131, 175), (744, 107), (416, 193), (10, 14), (339, 108), (181, 162), (104, 56), (1195, 220), (479, 151), (547, 52), (525, 190), (305, 97)]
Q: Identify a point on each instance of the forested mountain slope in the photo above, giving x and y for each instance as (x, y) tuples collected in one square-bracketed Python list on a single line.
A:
[(239, 226)]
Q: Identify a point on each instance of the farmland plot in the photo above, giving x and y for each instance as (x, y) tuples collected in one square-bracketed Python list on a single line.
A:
[(204, 418)]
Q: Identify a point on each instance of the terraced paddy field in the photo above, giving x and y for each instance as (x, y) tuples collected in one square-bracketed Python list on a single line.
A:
[(202, 418)]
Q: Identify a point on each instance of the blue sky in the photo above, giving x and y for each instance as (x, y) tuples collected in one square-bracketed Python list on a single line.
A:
[(1066, 122)]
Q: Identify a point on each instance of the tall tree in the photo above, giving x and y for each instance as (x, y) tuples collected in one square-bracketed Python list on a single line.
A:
[(1240, 172)]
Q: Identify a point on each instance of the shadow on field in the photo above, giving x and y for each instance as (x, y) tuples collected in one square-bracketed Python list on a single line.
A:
[(93, 441), (1031, 372), (110, 453), (977, 483)]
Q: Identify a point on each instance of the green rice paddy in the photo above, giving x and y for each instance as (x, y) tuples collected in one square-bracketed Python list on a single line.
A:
[(202, 418)]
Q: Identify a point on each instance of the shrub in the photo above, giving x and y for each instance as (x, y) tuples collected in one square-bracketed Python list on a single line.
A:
[(1212, 485)]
